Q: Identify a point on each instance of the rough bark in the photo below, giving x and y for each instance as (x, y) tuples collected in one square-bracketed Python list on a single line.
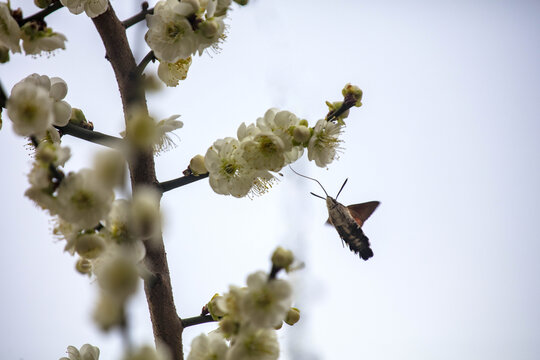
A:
[(166, 324)]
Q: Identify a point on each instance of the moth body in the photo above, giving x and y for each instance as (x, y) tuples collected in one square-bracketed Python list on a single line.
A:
[(348, 228)]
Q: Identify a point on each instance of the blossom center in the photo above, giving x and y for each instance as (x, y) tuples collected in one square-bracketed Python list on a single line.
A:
[(83, 199)]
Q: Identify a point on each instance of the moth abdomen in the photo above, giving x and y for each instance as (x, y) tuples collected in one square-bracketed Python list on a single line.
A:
[(354, 237)]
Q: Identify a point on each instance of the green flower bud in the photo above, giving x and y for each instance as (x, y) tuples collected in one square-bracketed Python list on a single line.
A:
[(282, 258), (293, 316), (84, 266)]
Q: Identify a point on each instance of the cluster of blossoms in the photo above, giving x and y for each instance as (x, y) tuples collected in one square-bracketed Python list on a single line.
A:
[(249, 317), (89, 352), (243, 165), (178, 29), (106, 233), (36, 105), (35, 35)]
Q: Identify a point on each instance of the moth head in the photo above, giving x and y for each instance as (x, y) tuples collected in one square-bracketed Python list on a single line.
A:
[(331, 202)]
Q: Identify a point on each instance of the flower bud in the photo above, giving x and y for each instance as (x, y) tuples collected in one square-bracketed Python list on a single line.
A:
[(293, 316), (89, 246), (213, 307), (84, 266), (209, 29), (282, 258), (301, 134), (353, 90), (197, 165), (58, 88)]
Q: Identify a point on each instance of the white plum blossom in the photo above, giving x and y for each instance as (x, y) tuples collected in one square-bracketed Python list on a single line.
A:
[(264, 151), (210, 33), (117, 274), (266, 303), (324, 143), (254, 344), (92, 8), (30, 108), (145, 216), (10, 33), (35, 104), (165, 126), (143, 131), (83, 199), (109, 311), (110, 167), (87, 352), (170, 34), (280, 123), (118, 221), (229, 172), (208, 347), (172, 73), (36, 40)]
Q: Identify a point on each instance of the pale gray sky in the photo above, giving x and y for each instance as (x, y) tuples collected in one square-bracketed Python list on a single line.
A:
[(447, 140)]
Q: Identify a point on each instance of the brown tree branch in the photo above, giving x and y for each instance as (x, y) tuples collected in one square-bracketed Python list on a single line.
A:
[(138, 17), (196, 320), (181, 181), (40, 16), (165, 322), (92, 136)]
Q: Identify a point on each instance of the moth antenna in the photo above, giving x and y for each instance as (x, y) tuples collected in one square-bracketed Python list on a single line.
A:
[(319, 196), (342, 186), (307, 177)]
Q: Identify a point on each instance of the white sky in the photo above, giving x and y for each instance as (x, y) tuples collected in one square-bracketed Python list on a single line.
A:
[(447, 140)]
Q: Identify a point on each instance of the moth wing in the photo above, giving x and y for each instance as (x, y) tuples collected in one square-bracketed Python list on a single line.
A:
[(361, 212)]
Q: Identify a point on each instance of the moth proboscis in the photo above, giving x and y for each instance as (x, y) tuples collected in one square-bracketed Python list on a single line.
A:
[(348, 220)]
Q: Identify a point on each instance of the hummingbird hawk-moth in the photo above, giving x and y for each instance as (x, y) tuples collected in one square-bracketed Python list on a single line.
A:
[(348, 221)]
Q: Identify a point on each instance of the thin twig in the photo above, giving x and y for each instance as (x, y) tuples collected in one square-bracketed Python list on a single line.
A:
[(348, 102), (3, 97), (196, 320), (138, 17), (42, 14), (181, 181), (92, 136), (144, 62)]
